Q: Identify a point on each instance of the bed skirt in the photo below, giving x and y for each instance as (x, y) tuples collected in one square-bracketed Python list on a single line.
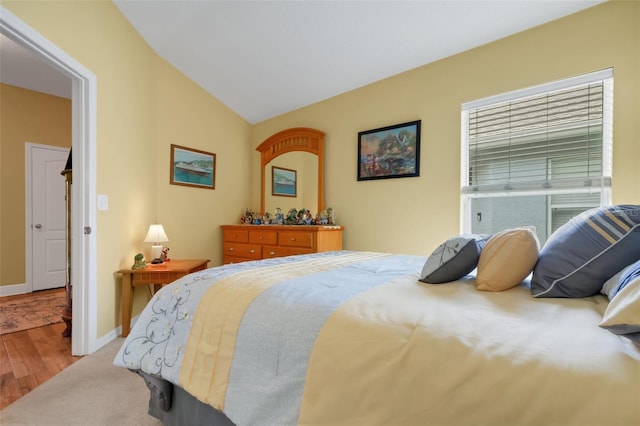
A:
[(173, 406)]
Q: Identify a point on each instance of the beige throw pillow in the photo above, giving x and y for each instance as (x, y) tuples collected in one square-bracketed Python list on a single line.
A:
[(507, 258)]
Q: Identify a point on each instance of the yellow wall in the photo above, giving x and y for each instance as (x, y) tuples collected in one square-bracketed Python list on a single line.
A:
[(192, 216), (144, 105), (413, 215), (25, 116)]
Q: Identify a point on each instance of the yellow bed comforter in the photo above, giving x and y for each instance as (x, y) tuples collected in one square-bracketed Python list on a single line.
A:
[(353, 338)]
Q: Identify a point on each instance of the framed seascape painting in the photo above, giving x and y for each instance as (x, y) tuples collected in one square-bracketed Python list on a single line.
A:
[(192, 167), (389, 152), (283, 182)]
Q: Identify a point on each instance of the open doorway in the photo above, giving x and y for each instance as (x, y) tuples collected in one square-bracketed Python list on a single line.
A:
[(83, 206)]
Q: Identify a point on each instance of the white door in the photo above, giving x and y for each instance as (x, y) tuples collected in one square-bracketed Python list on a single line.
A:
[(48, 221)]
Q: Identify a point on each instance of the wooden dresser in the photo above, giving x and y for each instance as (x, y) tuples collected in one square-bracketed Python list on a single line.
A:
[(253, 242)]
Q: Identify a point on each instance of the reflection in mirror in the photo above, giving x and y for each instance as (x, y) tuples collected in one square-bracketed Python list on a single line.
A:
[(306, 167), (306, 147)]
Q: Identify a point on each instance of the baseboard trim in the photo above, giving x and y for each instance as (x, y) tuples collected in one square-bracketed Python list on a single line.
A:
[(14, 289), (113, 334)]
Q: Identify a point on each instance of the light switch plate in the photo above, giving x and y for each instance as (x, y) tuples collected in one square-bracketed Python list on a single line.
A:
[(103, 202)]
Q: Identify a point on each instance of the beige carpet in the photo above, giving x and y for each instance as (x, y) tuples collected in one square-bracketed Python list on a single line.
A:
[(90, 392)]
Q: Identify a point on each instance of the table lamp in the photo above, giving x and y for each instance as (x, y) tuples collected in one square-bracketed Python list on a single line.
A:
[(156, 235)]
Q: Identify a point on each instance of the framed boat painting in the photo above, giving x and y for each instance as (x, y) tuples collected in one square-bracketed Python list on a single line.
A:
[(192, 167), (389, 152), (284, 182)]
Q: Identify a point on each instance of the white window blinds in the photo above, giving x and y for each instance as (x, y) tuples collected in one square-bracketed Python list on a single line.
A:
[(552, 138)]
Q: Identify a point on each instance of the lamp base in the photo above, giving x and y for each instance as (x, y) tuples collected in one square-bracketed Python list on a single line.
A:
[(156, 253)]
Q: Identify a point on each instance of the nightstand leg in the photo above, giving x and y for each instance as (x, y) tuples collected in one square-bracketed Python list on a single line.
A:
[(127, 302)]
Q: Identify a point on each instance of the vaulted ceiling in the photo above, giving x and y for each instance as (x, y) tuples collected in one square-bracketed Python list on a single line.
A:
[(266, 58)]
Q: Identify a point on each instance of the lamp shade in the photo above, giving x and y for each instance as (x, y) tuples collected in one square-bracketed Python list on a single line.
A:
[(156, 234)]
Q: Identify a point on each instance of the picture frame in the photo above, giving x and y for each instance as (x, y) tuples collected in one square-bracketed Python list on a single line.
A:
[(389, 152), (192, 167), (284, 182)]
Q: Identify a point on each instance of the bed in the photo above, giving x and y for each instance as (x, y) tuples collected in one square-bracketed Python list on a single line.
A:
[(465, 336)]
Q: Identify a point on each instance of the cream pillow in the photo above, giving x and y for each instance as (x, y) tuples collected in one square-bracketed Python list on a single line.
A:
[(507, 258)]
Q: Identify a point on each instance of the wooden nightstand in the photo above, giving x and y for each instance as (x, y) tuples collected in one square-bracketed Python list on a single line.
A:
[(156, 275)]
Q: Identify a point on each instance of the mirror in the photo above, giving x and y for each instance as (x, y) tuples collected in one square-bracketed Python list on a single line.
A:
[(303, 167), (299, 150)]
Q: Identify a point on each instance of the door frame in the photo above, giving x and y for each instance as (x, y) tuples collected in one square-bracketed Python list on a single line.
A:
[(28, 155), (83, 190)]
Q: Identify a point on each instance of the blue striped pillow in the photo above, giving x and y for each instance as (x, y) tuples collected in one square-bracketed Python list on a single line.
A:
[(584, 253), (622, 316)]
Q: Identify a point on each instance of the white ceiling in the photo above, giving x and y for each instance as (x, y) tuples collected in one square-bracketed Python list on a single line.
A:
[(266, 58), (20, 67)]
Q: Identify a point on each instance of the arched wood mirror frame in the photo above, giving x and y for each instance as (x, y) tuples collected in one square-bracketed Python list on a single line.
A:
[(294, 139)]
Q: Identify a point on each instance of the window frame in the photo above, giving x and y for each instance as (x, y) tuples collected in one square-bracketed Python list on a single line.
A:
[(603, 183)]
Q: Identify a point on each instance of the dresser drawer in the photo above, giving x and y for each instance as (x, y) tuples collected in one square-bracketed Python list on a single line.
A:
[(249, 251), (295, 239), (263, 237), (234, 259), (242, 243), (237, 236), (278, 251)]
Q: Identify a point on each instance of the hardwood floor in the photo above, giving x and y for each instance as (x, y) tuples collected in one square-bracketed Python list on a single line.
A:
[(31, 357)]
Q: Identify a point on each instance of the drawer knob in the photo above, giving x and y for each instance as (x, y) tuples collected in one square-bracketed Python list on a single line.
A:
[(293, 239), (261, 237), (252, 251), (230, 248), (272, 253)]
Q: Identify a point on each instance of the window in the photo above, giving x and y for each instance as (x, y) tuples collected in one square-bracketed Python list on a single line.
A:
[(537, 156)]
